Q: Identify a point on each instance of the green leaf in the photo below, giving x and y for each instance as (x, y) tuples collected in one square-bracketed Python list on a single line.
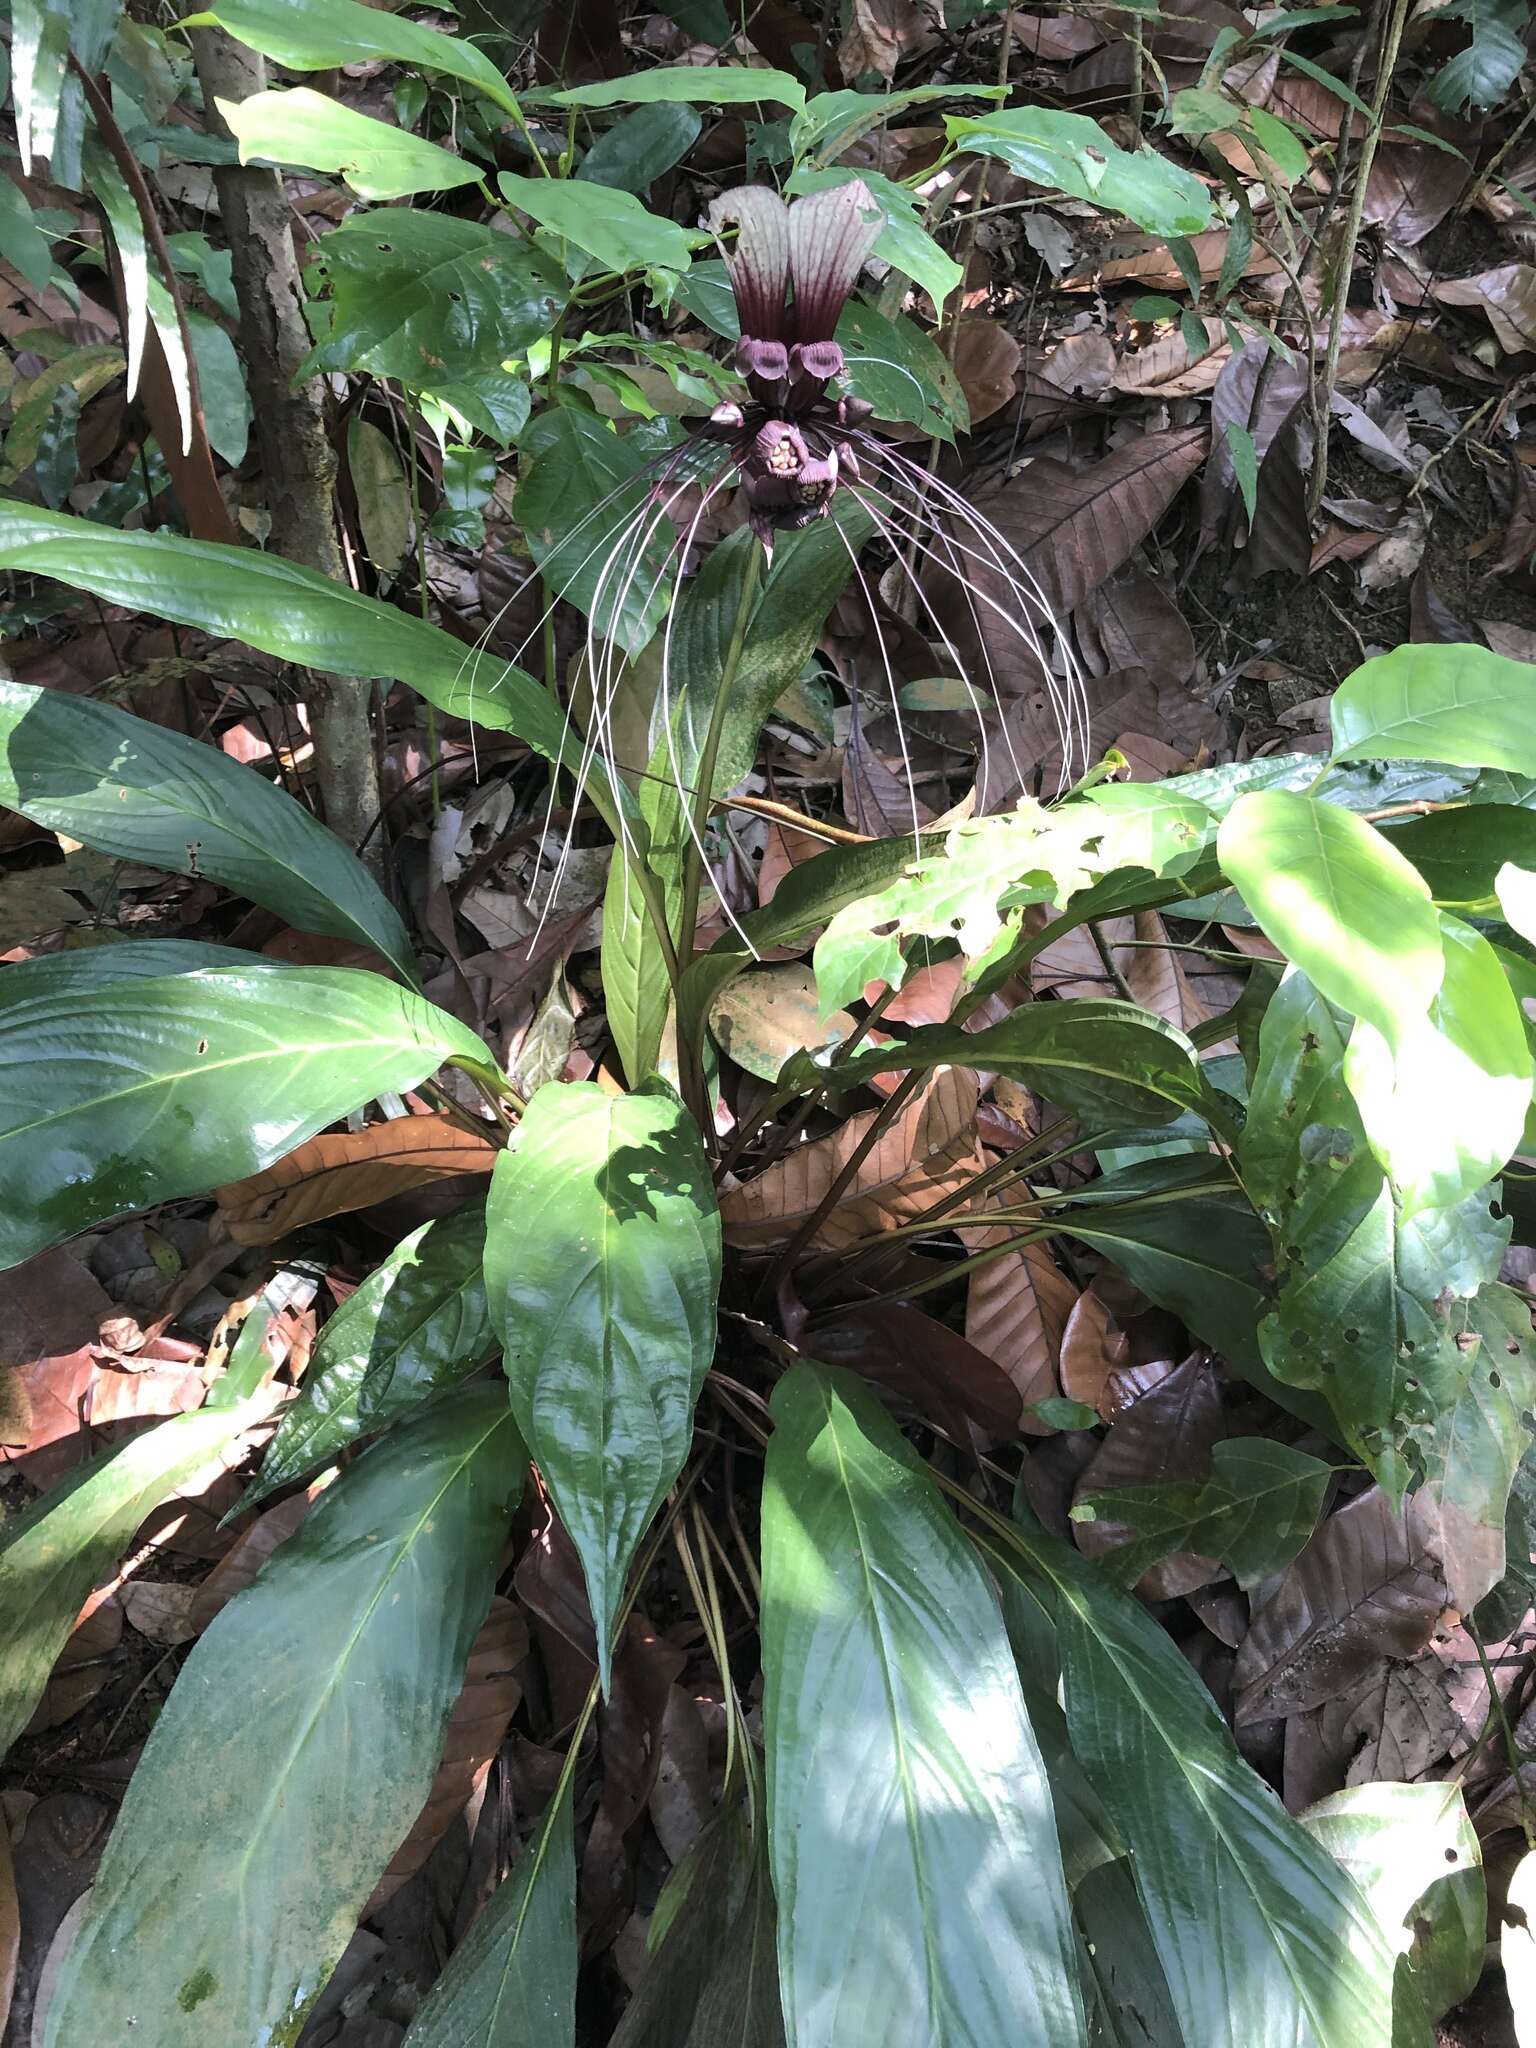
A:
[(429, 299), (1262, 1938), (1484, 71), (58, 1549), (323, 35), (1414, 1854), (1328, 81), (602, 1265), (417, 1326), (221, 382), (172, 1085), (704, 85), (1427, 703), (1245, 464), (1107, 1062), (1071, 154), (143, 793), (1281, 144), (1133, 1992), (1460, 852), (901, 1762), (833, 121), (609, 225), (900, 371), (511, 1982), (1341, 902), (1256, 1510), (637, 150), (1474, 1450), (312, 1712), (583, 503), (1517, 1948), (376, 160), (1445, 1105), (22, 242), (274, 605)]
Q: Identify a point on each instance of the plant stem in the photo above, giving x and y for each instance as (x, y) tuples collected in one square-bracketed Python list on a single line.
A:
[(691, 1057), (1396, 15)]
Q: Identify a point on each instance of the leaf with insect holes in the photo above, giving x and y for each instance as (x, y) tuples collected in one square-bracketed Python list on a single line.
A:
[(317, 1703), (1258, 1507), (376, 160), (602, 1266)]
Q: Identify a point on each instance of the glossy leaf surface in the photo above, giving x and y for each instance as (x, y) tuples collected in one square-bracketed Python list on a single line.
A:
[(1299, 1958), (511, 1983), (378, 161), (144, 793), (170, 1085), (415, 1327), (602, 1265), (315, 1707), (274, 605), (902, 1769), (1431, 703)]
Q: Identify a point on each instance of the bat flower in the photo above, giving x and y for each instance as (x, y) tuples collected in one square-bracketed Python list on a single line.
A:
[(792, 268)]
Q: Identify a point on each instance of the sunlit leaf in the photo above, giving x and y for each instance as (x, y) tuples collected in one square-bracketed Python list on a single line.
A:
[(308, 128), (1431, 703)]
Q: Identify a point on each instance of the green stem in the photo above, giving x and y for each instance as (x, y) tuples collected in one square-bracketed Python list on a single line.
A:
[(691, 1058)]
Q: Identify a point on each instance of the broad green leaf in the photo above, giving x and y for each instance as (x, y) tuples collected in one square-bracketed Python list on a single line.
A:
[(1414, 1853), (310, 1717), (323, 35), (1472, 1453), (1264, 1941), (609, 225), (704, 85), (308, 128), (1445, 1106), (602, 1265), (1071, 154), (1254, 1513), (1133, 1992), (171, 1085), (58, 1549), (511, 1982), (1515, 887), (584, 503), (22, 242), (274, 605), (416, 1327), (833, 121), (900, 371), (1459, 852), (143, 793), (637, 150), (1245, 464), (1281, 144), (1341, 902), (902, 1770), (221, 382), (1106, 1061), (1428, 703), (429, 299), (1517, 1948)]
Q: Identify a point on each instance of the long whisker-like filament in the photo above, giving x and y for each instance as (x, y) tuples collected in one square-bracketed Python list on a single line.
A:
[(890, 678)]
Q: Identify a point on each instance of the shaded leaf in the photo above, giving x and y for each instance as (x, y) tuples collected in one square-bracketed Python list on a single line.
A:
[(1168, 1434), (1069, 153), (922, 1361), (888, 1671)]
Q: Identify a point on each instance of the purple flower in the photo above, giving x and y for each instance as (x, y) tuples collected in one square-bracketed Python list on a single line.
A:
[(793, 267)]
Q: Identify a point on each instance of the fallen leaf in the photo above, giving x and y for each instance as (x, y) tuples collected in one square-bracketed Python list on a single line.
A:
[(1280, 535), (1366, 1586), (928, 1152), (1399, 1723), (768, 1014), (1132, 621), (1166, 1435), (1168, 368), (878, 800), (161, 1613), (882, 34), (346, 1170), (986, 361), (51, 1312), (1017, 1310), (1507, 295), (1256, 392), (645, 1669), (239, 1565), (680, 1804), (1082, 364), (940, 1374), (1516, 643), (1145, 260), (476, 1728), (1094, 1349), (1411, 189), (83, 1667)]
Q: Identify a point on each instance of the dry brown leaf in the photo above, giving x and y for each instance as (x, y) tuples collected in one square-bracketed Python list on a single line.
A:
[(345, 1170), (1168, 368), (1094, 1350), (986, 360), (1411, 189), (1399, 1722), (1256, 392), (1132, 622), (1082, 364), (1016, 1311), (1144, 259), (1365, 1586), (928, 1152), (1507, 295), (51, 1312), (161, 1613), (83, 1665), (878, 799), (475, 1731), (1167, 1435), (1516, 643), (941, 1375), (881, 34), (1156, 977), (681, 1805)]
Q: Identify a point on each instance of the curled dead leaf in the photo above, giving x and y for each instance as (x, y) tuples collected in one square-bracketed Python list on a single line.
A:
[(346, 1170)]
